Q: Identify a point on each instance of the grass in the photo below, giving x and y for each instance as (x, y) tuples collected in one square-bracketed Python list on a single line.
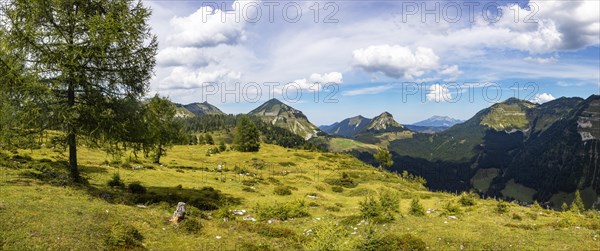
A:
[(483, 178), (506, 117), (343, 145), (36, 214), (518, 191)]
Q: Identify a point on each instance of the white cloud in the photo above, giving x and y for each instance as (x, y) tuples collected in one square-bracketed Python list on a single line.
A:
[(396, 61), (542, 98), (368, 90), (541, 60), (179, 56), (316, 81), (450, 70), (332, 77), (206, 27), (190, 78), (439, 93)]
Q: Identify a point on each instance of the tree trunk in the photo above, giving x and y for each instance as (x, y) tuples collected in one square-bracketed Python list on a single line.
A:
[(158, 154), (72, 137)]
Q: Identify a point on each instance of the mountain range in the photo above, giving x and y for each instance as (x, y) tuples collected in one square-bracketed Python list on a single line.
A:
[(512, 149)]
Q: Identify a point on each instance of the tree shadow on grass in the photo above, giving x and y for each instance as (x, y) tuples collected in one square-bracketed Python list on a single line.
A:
[(55, 173)]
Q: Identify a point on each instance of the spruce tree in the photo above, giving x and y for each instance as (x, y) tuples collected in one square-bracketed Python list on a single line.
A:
[(247, 138), (577, 205)]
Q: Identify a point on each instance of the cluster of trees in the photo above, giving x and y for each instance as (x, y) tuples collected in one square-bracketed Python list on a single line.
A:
[(269, 133), (202, 139)]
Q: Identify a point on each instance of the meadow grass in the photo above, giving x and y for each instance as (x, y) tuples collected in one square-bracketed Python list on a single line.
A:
[(37, 212)]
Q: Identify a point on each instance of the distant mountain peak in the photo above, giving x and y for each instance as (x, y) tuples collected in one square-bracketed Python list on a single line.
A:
[(279, 114), (198, 109), (383, 122), (438, 121)]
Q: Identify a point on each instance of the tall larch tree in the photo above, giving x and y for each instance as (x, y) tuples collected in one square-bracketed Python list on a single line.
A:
[(84, 56)]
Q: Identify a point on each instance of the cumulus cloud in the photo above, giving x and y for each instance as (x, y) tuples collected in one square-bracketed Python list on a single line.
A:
[(316, 81), (190, 78), (555, 25), (438, 93), (396, 61), (206, 27), (542, 98), (332, 77), (179, 56)]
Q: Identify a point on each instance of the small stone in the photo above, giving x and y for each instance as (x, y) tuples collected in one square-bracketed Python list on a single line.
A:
[(218, 237)]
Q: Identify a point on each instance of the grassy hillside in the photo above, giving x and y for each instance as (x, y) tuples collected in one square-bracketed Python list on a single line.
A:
[(299, 199)]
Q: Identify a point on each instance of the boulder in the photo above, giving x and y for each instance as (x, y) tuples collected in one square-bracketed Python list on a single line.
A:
[(179, 213)]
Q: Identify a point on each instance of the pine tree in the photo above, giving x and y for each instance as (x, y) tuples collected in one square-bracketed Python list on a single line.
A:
[(222, 146), (247, 138), (564, 207), (163, 128), (384, 158), (82, 57), (209, 139), (577, 205)]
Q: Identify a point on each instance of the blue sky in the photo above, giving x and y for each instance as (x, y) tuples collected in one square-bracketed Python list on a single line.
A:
[(367, 57)]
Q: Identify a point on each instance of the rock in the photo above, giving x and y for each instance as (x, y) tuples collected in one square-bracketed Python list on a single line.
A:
[(239, 212), (453, 217), (312, 197), (179, 213), (141, 206), (249, 217)]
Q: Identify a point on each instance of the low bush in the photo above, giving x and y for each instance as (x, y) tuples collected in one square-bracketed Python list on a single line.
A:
[(191, 225), (124, 237), (337, 189), (467, 199), (343, 181), (281, 211), (116, 181), (416, 209), (451, 208), (282, 190), (392, 242), (382, 209), (502, 207)]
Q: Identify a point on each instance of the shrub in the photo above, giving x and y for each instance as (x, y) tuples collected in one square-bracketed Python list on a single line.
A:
[(282, 190), (267, 230), (191, 225), (382, 209), (370, 208), (392, 242), (327, 236), (451, 208), (467, 199), (249, 182), (416, 209), (136, 188), (344, 181), (281, 211), (502, 207), (516, 216), (116, 181), (337, 189), (248, 189), (124, 237)]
